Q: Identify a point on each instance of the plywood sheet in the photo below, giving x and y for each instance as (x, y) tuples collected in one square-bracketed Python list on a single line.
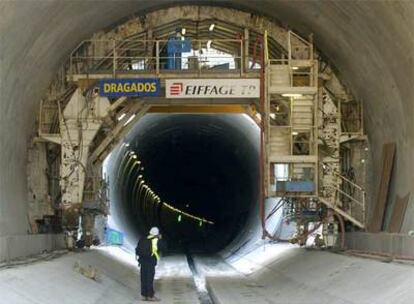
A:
[(380, 202), (398, 213)]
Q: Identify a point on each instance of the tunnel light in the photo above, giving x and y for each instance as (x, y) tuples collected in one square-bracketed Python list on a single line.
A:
[(183, 31), (200, 223), (295, 68), (294, 133), (182, 38), (126, 145), (211, 28), (363, 161), (130, 119), (272, 115), (179, 218), (121, 116), (292, 95), (134, 156), (209, 44), (366, 149), (141, 182)]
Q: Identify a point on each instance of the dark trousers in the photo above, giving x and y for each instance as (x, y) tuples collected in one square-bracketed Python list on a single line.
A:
[(147, 278)]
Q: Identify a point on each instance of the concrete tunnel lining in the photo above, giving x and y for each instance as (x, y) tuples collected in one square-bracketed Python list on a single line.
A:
[(209, 162), (379, 73)]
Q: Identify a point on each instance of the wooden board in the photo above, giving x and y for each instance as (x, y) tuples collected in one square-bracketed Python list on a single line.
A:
[(380, 202), (398, 213)]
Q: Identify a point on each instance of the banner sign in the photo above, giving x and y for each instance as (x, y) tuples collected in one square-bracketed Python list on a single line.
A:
[(212, 88), (129, 87)]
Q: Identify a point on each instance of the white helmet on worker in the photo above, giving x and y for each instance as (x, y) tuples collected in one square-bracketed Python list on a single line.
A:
[(154, 231)]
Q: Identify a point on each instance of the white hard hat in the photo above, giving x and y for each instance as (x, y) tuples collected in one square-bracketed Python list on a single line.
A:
[(154, 231)]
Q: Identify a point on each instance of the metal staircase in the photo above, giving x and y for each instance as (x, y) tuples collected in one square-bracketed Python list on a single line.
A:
[(302, 128)]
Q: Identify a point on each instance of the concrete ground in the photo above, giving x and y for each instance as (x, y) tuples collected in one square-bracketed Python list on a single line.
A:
[(287, 274), (56, 281), (272, 274)]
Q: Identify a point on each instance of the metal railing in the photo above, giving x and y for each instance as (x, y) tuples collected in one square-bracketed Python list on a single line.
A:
[(299, 48), (300, 73), (351, 201), (155, 56)]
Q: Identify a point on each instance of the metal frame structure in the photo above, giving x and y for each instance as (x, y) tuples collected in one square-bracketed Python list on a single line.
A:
[(289, 86)]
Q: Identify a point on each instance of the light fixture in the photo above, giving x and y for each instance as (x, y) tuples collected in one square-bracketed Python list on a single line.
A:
[(209, 44), (294, 133), (129, 119), (295, 68), (121, 116), (277, 108), (183, 31), (366, 149), (291, 95), (211, 28), (272, 115), (134, 156), (182, 38)]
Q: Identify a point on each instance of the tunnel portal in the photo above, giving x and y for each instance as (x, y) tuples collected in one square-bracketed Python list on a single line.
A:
[(276, 132)]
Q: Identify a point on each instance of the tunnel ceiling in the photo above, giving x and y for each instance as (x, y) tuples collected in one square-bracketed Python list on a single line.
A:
[(369, 42)]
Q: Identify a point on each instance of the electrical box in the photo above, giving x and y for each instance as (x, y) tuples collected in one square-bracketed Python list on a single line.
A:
[(295, 186)]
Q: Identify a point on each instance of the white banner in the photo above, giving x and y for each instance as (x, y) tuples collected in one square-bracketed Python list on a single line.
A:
[(212, 88)]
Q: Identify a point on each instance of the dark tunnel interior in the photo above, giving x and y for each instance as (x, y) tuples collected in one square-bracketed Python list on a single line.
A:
[(204, 165)]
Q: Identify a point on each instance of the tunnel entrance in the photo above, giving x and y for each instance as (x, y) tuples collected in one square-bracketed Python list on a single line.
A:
[(201, 182), (202, 165)]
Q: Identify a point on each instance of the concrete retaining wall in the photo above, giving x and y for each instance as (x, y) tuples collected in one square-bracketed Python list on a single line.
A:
[(22, 246), (398, 245)]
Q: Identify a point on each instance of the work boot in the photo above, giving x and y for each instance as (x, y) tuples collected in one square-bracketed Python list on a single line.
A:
[(154, 299), (144, 299)]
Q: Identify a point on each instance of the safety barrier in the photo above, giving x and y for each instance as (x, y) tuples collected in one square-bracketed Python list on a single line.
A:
[(23, 246), (155, 56)]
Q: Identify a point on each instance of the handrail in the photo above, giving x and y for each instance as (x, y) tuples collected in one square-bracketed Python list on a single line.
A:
[(346, 194), (361, 203), (349, 181), (97, 54)]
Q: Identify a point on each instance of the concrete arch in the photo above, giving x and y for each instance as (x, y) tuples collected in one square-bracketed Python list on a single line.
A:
[(369, 42)]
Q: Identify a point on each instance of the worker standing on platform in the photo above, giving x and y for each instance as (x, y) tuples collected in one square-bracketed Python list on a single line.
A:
[(148, 253)]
